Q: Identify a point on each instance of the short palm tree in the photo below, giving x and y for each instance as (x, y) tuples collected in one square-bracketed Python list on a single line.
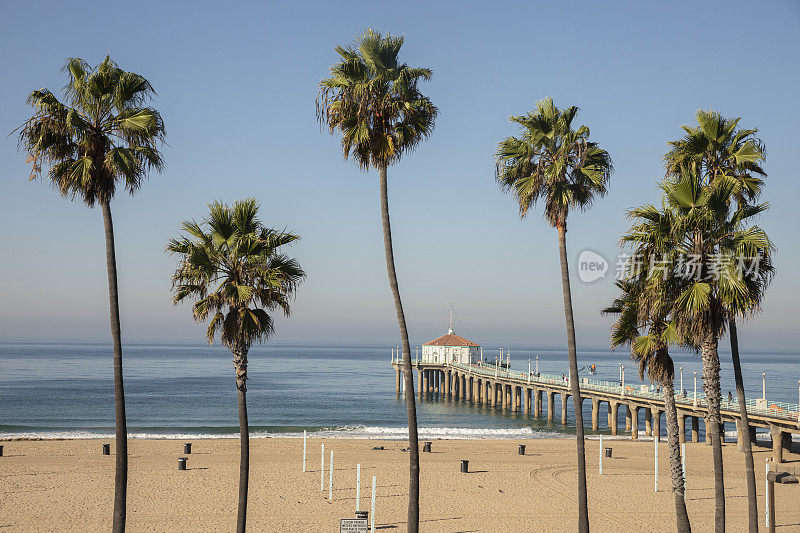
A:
[(644, 305), (719, 149), (102, 136), (233, 269), (373, 101), (556, 164)]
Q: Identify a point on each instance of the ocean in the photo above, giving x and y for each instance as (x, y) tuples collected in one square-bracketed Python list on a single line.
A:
[(187, 390)]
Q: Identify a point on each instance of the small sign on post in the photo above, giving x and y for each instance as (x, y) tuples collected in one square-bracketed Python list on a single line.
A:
[(353, 525)]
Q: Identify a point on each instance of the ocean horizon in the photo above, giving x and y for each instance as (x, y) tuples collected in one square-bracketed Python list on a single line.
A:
[(182, 390)]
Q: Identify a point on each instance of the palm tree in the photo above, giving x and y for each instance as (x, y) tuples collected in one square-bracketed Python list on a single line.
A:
[(721, 151), (232, 267), (102, 136), (644, 303), (558, 165), (374, 102)]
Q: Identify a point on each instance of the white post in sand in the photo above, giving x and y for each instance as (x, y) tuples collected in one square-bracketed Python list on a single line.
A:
[(304, 450), (330, 479), (683, 464), (372, 514), (655, 451), (358, 486), (601, 455), (766, 493), (322, 469)]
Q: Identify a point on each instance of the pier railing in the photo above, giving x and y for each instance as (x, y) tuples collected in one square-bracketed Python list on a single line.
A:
[(759, 407)]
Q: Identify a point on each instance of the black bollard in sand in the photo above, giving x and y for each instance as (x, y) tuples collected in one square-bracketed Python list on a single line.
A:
[(521, 450), (106, 449), (1, 451), (465, 466), (181, 463), (608, 452), (426, 447), (187, 448)]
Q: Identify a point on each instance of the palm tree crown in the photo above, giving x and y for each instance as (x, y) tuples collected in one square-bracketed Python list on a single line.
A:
[(553, 162), (374, 101), (232, 266), (104, 135), (719, 150)]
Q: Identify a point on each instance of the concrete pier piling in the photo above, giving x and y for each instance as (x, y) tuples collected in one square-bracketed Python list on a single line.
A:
[(656, 424), (613, 412), (681, 427), (518, 391)]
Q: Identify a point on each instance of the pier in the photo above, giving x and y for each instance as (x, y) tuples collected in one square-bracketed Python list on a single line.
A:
[(524, 392)]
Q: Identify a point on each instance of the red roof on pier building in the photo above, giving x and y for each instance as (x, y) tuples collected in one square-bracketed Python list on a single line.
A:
[(451, 339)]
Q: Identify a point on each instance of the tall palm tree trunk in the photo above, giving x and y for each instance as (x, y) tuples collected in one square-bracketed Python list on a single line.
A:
[(583, 507), (121, 426), (752, 501), (713, 392), (240, 364), (411, 406), (675, 466)]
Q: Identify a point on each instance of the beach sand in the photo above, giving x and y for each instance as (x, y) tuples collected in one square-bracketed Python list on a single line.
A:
[(68, 486)]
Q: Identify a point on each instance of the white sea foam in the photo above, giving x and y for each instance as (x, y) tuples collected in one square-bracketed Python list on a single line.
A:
[(350, 432), (401, 433)]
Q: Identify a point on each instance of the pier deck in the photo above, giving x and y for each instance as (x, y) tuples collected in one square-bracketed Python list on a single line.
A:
[(522, 392)]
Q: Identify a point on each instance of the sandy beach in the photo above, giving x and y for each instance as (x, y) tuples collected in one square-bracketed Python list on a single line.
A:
[(68, 486)]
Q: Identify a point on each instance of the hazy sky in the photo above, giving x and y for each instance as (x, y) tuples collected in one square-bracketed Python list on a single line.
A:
[(236, 86)]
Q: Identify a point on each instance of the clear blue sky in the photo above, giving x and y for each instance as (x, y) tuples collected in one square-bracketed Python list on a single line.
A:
[(236, 86)]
